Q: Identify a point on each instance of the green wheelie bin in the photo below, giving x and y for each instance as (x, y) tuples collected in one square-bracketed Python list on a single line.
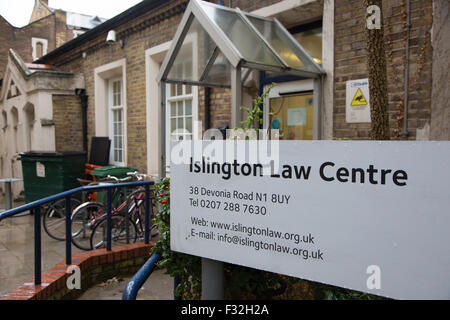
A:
[(49, 173)]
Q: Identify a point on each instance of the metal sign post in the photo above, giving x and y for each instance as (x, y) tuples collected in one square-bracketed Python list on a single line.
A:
[(212, 279), (8, 192)]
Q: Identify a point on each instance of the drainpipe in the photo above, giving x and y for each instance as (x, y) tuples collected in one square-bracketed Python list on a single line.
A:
[(406, 98), (81, 93)]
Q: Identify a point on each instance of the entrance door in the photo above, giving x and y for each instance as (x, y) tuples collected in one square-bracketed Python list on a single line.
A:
[(290, 108)]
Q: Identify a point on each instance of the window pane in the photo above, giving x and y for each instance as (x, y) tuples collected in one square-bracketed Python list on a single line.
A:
[(311, 41), (180, 124), (188, 89), (186, 58), (189, 124), (293, 116), (173, 125), (172, 90), (117, 93), (179, 89), (277, 39), (119, 99), (118, 87), (220, 71), (180, 108), (188, 107), (173, 109), (241, 35)]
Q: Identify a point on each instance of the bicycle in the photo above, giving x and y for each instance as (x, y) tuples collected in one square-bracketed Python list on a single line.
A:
[(54, 214), (54, 218), (91, 216), (125, 229)]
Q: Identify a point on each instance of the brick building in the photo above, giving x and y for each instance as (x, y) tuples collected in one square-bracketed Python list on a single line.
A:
[(48, 29), (35, 99), (124, 97)]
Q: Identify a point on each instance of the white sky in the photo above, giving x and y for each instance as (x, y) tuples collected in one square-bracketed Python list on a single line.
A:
[(18, 12)]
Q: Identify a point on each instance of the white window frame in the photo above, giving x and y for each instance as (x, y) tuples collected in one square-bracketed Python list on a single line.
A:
[(153, 59), (34, 42), (193, 96), (296, 87), (111, 109), (102, 77)]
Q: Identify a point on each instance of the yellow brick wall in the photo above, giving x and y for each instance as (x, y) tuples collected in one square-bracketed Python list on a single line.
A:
[(68, 123), (150, 30)]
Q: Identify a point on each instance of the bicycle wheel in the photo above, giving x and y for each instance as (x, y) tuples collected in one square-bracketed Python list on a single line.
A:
[(118, 232), (54, 219), (83, 222), (136, 211)]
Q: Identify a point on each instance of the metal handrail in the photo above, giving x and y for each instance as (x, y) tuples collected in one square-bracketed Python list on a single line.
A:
[(36, 207), (133, 286)]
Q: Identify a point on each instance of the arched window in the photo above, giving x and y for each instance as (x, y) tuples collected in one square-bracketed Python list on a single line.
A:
[(39, 49), (4, 121), (15, 124), (28, 125)]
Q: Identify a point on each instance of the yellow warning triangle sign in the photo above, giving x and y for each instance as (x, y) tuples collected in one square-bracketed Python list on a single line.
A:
[(359, 99)]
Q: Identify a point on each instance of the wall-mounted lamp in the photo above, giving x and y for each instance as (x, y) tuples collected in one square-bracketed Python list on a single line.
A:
[(111, 39)]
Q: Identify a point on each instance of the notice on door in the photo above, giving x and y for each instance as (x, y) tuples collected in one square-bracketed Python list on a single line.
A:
[(357, 101), (296, 117), (368, 216)]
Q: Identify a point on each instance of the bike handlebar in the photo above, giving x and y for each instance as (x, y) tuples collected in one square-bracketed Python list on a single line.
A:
[(138, 176), (117, 179)]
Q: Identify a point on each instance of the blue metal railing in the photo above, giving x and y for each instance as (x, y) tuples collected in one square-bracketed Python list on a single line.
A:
[(138, 280), (132, 288), (36, 207)]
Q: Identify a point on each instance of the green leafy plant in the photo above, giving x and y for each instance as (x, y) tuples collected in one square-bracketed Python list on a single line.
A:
[(186, 267), (255, 115)]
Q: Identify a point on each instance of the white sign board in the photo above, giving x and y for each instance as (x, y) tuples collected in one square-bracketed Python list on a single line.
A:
[(296, 117), (369, 216), (358, 101), (40, 170)]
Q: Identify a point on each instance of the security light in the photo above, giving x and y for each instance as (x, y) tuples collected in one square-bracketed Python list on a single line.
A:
[(112, 38)]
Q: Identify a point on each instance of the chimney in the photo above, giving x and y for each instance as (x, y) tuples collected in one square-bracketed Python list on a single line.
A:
[(40, 10)]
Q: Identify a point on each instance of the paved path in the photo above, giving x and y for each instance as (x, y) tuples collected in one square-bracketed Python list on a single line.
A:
[(17, 263), (158, 287)]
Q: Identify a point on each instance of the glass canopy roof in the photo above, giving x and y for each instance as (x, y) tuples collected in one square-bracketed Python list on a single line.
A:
[(212, 40)]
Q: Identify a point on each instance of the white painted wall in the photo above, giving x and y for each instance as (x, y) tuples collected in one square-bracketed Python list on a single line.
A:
[(33, 92)]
